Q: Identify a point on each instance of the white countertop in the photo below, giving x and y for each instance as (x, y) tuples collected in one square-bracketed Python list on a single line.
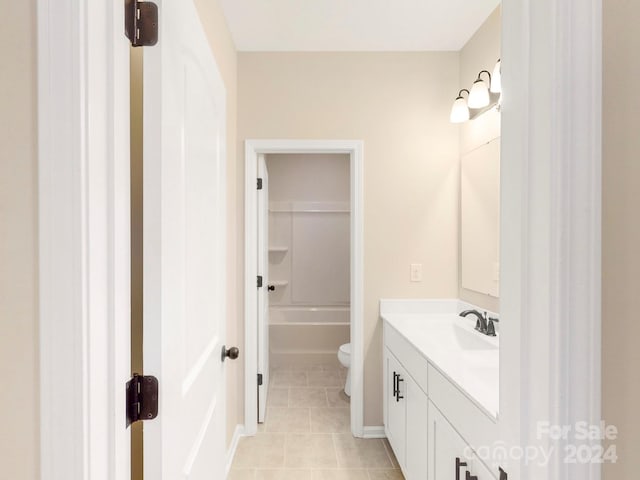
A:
[(450, 343)]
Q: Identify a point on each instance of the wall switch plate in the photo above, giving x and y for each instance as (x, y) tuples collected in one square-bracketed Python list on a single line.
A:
[(416, 272)]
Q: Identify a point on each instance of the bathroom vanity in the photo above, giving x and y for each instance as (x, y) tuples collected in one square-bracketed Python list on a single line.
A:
[(441, 390)]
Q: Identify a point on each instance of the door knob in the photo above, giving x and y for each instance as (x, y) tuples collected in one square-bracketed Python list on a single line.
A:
[(271, 288), (232, 353)]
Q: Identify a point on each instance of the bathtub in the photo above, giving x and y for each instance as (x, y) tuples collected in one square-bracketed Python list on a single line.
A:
[(309, 316), (299, 335)]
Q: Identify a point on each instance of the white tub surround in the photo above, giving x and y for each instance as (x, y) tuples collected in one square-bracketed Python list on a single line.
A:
[(309, 315), (441, 388)]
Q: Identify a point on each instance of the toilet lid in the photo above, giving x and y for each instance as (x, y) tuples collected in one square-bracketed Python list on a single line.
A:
[(346, 348)]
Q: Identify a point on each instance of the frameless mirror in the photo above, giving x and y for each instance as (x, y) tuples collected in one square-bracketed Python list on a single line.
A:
[(480, 219)]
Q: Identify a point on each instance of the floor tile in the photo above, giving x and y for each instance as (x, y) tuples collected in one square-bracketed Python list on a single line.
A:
[(283, 474), (307, 397), (307, 435), (337, 398), (324, 367), (325, 379), (330, 420), (278, 397), (265, 450), (340, 474), (242, 474), (289, 379), (287, 420), (392, 455), (386, 475), (360, 453), (310, 451)]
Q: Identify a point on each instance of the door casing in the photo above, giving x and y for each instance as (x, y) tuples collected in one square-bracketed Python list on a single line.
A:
[(84, 239)]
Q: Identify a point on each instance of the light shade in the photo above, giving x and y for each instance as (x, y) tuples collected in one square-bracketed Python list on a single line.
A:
[(496, 78), (459, 111), (479, 96)]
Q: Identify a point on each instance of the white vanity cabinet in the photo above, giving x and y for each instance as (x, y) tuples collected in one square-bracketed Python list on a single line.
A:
[(429, 421), (405, 400), (396, 407)]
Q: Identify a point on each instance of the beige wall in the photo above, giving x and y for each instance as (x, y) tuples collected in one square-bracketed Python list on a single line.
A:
[(19, 405), (398, 103), (226, 57), (621, 233), (480, 53)]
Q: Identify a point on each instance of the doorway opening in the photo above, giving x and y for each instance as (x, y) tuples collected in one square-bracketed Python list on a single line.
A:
[(303, 256), (303, 238)]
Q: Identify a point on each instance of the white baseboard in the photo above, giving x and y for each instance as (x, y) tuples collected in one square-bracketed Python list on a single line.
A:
[(238, 433), (374, 432)]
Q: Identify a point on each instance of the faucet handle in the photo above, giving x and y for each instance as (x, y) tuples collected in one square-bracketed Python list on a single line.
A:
[(491, 328)]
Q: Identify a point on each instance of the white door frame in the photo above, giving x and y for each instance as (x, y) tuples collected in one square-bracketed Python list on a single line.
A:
[(551, 227), (84, 239), (355, 149)]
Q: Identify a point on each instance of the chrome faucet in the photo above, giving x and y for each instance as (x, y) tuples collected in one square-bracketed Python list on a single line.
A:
[(481, 322), (484, 325)]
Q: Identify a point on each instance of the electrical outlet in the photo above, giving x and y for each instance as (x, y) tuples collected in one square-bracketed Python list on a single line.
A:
[(416, 272)]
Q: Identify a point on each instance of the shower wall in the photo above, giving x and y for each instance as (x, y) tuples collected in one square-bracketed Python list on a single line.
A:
[(309, 257)]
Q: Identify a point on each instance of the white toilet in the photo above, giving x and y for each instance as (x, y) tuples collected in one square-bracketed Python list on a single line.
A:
[(344, 356)]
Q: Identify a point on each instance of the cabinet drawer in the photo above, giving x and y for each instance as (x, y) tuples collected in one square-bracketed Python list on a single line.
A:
[(407, 355), (472, 423)]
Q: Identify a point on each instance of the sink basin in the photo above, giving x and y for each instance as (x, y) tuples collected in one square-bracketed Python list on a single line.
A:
[(471, 340), (454, 334)]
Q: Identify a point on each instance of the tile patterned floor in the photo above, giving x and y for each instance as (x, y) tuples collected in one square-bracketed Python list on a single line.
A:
[(307, 436)]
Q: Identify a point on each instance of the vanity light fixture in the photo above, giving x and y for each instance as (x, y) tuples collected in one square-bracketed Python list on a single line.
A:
[(460, 110), (484, 96), (479, 96), (496, 78)]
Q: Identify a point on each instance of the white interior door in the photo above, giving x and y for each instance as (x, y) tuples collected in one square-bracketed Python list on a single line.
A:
[(263, 293), (184, 249)]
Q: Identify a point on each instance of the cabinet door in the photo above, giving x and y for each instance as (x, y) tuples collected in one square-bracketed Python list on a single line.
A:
[(417, 445), (396, 392), (480, 470), (445, 446)]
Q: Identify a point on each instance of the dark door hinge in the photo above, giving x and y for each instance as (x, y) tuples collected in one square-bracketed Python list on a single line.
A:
[(142, 398), (259, 379), (259, 281), (259, 184), (141, 23)]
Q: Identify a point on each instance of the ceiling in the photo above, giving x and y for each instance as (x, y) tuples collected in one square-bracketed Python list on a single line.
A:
[(354, 25)]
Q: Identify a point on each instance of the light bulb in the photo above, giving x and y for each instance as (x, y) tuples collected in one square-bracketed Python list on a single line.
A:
[(460, 110), (479, 96), (496, 78)]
